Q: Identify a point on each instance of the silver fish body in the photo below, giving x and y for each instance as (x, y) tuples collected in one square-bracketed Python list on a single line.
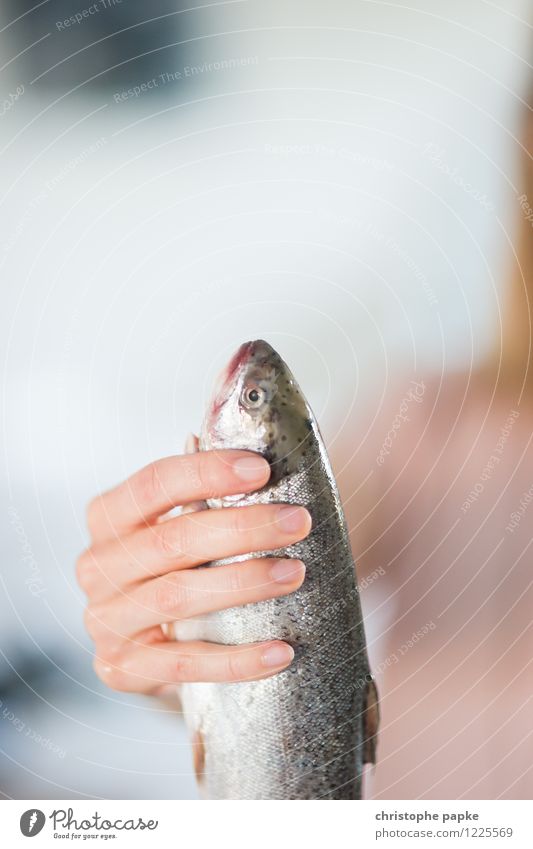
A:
[(305, 732)]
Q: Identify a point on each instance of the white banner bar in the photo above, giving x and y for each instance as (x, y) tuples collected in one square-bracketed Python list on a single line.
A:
[(279, 825)]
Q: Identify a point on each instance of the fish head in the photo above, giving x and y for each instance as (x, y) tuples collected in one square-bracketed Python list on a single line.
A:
[(258, 406)]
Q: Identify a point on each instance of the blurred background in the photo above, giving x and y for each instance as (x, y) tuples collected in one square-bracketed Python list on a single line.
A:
[(339, 178)]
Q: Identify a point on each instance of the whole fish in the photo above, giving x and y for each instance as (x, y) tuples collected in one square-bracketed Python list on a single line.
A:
[(306, 732)]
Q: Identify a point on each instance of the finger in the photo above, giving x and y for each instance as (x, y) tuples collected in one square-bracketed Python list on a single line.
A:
[(160, 486), (192, 445), (194, 592), (191, 540), (147, 668)]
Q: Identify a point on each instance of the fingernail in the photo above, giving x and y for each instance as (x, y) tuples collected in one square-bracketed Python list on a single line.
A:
[(277, 654), (286, 571), (249, 468), (292, 519)]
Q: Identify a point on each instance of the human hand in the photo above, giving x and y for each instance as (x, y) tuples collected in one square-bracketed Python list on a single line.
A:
[(140, 570)]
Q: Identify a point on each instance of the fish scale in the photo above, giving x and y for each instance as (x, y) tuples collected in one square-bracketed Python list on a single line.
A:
[(305, 732)]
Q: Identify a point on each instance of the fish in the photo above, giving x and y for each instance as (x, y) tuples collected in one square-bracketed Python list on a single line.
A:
[(306, 732)]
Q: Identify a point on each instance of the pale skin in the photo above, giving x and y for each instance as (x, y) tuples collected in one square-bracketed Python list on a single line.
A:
[(140, 572)]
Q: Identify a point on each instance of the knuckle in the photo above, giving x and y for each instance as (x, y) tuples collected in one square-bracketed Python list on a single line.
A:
[(110, 673), (254, 523), (85, 570), (240, 520), (168, 539), (92, 511), (233, 666), (88, 621), (178, 538), (148, 488), (92, 622), (108, 651), (99, 667), (235, 582), (172, 596), (186, 667), (213, 472), (117, 680), (196, 470)]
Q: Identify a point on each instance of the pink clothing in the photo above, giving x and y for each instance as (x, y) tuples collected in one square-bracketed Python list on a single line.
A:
[(442, 532)]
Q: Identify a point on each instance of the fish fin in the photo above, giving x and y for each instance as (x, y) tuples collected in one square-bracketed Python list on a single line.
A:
[(198, 756), (370, 722)]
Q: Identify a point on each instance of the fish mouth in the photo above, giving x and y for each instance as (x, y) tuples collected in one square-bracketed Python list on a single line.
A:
[(229, 375), (257, 350), (239, 358)]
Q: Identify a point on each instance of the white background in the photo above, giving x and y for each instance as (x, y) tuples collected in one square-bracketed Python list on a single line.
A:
[(130, 277)]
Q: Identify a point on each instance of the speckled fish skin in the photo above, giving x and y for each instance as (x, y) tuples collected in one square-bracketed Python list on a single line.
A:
[(305, 732)]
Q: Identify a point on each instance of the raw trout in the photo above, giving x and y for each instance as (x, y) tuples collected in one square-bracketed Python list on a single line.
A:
[(306, 732)]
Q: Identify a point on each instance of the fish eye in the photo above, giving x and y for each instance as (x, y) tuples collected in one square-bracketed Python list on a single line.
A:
[(253, 396)]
